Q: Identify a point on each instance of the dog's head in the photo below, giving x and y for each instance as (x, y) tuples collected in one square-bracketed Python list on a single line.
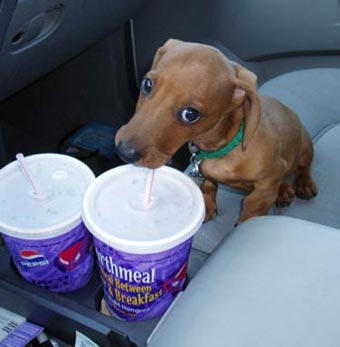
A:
[(188, 95)]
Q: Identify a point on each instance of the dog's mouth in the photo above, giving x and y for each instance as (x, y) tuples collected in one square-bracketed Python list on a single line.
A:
[(153, 161), (150, 157), (127, 159)]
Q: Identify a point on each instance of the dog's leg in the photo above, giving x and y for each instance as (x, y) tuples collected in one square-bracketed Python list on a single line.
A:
[(259, 201), (304, 185), (209, 190), (285, 195)]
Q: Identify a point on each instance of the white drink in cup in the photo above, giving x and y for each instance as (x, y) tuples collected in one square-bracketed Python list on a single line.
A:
[(142, 250), (42, 227)]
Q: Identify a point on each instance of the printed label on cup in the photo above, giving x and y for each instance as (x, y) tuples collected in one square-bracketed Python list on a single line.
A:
[(141, 286)]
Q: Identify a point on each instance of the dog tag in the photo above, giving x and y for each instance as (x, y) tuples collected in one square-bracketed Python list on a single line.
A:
[(194, 171), (198, 179)]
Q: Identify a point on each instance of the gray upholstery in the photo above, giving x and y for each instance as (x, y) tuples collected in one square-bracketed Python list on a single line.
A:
[(212, 233), (273, 282), (315, 96)]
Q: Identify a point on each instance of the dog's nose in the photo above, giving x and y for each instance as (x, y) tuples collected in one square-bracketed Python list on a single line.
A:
[(127, 153)]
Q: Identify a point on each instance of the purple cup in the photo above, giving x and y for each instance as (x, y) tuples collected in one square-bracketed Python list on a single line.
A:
[(49, 244), (142, 252), (59, 264)]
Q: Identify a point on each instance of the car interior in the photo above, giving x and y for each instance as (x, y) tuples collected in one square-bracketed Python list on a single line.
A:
[(271, 281)]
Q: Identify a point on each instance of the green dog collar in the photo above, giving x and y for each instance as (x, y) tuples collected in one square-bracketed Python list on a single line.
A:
[(234, 142)]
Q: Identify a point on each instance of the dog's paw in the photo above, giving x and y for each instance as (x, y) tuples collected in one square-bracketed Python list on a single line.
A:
[(210, 206), (210, 210), (305, 188), (209, 215), (285, 195)]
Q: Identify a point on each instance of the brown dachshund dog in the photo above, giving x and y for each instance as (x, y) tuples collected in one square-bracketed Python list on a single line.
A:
[(194, 93)]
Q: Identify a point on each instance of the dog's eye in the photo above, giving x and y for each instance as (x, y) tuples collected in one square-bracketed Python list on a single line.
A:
[(189, 115), (146, 86)]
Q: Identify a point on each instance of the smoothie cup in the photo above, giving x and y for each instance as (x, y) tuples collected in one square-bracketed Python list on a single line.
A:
[(45, 235), (142, 251)]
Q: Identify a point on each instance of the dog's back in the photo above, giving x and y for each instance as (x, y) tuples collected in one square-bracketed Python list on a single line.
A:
[(282, 130)]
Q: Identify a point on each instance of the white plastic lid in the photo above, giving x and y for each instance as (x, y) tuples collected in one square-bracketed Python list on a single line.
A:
[(113, 209), (62, 179)]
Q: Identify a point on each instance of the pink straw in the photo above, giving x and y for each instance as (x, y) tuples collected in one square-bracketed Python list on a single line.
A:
[(36, 189), (148, 188)]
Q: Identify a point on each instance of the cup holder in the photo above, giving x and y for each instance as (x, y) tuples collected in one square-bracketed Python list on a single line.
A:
[(100, 304), (13, 267), (98, 298)]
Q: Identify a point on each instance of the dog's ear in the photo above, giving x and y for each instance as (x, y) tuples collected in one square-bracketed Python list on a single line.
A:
[(245, 95), (162, 50)]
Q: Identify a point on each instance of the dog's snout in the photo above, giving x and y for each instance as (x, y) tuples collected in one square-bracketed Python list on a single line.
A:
[(127, 152)]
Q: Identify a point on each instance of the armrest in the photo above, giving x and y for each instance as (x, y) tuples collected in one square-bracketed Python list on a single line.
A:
[(273, 282)]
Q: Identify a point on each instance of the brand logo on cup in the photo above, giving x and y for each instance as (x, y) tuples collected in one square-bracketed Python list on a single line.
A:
[(175, 283), (73, 255), (31, 258)]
